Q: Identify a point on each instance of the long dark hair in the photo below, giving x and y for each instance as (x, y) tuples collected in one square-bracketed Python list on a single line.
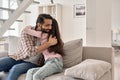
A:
[(58, 48)]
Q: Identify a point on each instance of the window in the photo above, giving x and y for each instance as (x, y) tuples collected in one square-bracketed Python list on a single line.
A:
[(12, 4)]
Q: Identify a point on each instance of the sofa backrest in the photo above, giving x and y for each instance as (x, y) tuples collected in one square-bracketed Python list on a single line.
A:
[(72, 53)]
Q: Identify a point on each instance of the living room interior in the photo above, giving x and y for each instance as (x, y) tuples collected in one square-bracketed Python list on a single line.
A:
[(98, 27)]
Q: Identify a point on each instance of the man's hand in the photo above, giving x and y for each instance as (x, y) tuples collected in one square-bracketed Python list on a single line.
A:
[(52, 40)]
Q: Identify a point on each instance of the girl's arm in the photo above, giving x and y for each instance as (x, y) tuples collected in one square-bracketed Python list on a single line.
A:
[(51, 41), (29, 30)]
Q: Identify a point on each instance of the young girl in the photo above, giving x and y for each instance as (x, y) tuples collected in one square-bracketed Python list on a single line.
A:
[(52, 55)]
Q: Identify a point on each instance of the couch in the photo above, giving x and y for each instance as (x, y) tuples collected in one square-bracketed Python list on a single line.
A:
[(88, 52)]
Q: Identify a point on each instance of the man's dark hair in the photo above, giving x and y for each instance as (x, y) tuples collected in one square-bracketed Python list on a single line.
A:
[(41, 18)]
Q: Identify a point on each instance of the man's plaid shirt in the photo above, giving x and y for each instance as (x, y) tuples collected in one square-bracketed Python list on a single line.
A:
[(27, 46)]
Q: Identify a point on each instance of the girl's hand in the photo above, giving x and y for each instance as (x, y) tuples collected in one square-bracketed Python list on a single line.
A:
[(52, 40)]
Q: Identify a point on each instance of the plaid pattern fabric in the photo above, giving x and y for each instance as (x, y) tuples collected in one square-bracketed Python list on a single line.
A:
[(27, 46)]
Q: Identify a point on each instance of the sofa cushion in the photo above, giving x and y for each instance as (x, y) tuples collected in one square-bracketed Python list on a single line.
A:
[(58, 76), (73, 53), (90, 69), (22, 77), (61, 76)]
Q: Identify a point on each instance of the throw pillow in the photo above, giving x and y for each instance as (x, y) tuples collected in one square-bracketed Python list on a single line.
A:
[(90, 69), (73, 53)]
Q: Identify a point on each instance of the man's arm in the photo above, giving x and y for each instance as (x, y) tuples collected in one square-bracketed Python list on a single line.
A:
[(51, 41), (40, 48)]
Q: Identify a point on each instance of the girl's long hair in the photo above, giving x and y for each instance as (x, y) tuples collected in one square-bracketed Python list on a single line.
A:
[(58, 48)]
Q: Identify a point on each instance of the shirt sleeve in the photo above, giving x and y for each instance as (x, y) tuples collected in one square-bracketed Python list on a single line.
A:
[(27, 47), (29, 30)]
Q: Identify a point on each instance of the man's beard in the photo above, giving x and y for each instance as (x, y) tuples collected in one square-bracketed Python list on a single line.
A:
[(44, 31)]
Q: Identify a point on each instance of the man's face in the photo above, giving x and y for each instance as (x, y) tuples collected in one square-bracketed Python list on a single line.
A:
[(47, 26)]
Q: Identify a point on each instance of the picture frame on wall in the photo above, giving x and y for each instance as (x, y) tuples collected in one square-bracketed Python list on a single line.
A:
[(79, 10)]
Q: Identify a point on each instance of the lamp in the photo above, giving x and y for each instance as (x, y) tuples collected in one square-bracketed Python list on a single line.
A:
[(116, 32)]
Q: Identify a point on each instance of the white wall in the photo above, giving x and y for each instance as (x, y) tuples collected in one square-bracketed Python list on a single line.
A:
[(99, 22), (116, 14), (116, 20), (103, 22), (90, 22), (72, 28)]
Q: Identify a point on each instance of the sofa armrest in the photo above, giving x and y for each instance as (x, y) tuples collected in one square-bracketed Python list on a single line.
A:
[(3, 54), (100, 53)]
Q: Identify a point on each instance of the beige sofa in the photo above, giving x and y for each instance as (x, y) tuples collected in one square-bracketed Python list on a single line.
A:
[(99, 53)]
